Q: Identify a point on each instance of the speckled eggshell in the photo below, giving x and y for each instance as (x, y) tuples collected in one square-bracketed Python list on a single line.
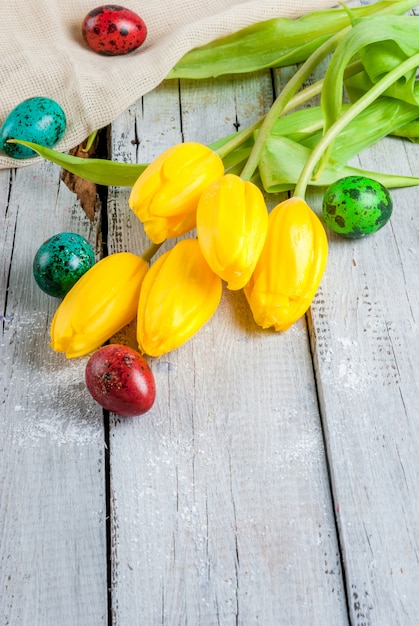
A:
[(39, 120), (356, 206), (61, 261), (120, 380), (113, 30)]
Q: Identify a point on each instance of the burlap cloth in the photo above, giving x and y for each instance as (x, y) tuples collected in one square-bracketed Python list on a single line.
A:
[(42, 53)]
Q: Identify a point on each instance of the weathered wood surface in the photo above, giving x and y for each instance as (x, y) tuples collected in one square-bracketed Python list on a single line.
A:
[(52, 482), (225, 481), (364, 330), (275, 481)]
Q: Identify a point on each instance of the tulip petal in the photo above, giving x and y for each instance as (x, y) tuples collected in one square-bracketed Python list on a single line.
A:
[(166, 194), (102, 302), (290, 267), (232, 222), (179, 295)]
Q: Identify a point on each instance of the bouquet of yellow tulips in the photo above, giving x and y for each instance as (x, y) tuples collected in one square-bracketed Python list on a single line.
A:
[(277, 258)]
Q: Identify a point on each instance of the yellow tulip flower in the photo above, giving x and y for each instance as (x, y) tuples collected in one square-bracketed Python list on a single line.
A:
[(166, 194), (290, 267), (232, 222), (179, 294), (101, 302)]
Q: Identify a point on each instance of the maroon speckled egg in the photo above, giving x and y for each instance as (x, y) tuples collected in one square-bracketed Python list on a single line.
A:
[(120, 380), (112, 30)]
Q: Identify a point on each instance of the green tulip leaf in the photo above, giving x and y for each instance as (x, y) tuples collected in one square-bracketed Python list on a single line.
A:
[(99, 171), (382, 46), (274, 43), (282, 162)]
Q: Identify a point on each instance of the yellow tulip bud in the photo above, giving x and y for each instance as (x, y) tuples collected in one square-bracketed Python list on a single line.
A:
[(178, 296), (166, 194), (101, 302), (290, 267), (232, 222)]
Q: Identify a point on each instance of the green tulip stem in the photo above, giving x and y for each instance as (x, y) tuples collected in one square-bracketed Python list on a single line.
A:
[(377, 90), (90, 141), (237, 139), (284, 98), (148, 254), (299, 99)]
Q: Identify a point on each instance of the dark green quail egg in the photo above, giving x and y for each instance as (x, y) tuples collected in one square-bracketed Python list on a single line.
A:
[(61, 261), (356, 206), (39, 120)]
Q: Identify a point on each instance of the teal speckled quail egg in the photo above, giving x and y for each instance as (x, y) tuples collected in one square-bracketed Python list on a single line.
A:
[(39, 120)]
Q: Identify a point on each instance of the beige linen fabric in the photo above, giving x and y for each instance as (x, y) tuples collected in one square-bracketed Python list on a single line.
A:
[(42, 53)]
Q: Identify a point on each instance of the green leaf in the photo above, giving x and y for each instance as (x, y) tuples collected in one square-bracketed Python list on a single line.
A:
[(99, 171), (383, 117), (283, 160), (274, 43), (299, 125), (395, 37), (408, 131)]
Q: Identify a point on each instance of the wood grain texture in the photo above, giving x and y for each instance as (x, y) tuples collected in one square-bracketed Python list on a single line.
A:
[(364, 329), (365, 333), (274, 482), (221, 508), (52, 504)]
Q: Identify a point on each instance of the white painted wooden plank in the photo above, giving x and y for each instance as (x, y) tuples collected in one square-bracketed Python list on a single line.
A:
[(144, 131), (365, 333), (365, 337), (6, 234), (221, 508), (53, 567)]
